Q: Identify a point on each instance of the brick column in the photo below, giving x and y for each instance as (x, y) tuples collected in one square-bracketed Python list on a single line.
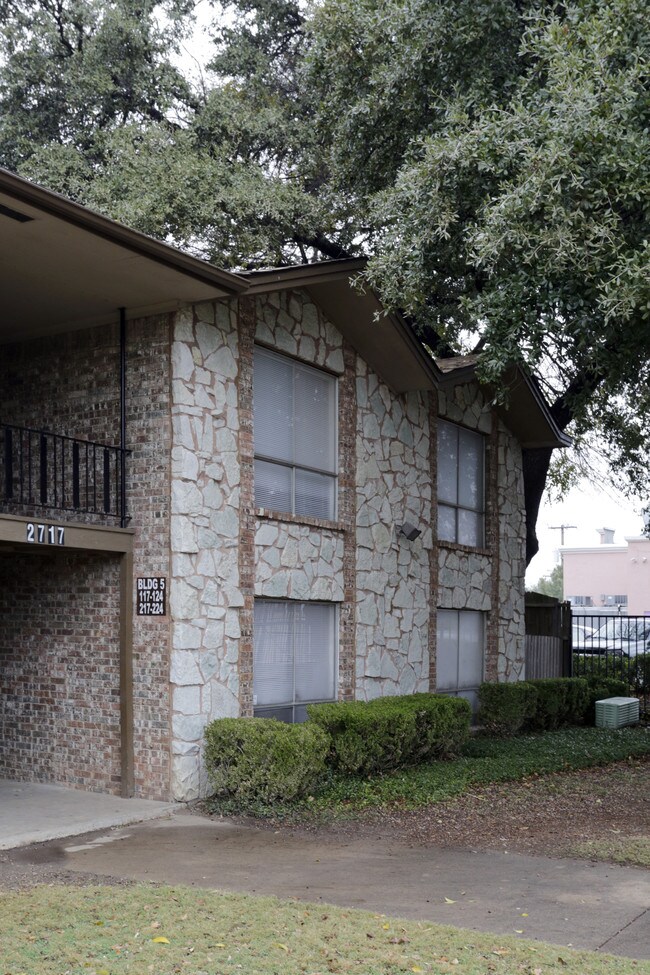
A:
[(246, 325)]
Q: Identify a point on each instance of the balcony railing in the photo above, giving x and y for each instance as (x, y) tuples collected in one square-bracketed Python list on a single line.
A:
[(50, 470)]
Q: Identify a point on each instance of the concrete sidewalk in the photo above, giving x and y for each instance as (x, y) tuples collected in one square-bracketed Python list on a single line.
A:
[(31, 812), (567, 902)]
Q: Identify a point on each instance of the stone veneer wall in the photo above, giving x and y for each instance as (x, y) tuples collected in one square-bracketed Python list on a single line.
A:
[(511, 658), (70, 384), (392, 574), (305, 558), (490, 580), (205, 596)]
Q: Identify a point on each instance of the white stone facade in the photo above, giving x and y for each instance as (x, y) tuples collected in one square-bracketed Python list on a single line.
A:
[(386, 584), (392, 574), (204, 593)]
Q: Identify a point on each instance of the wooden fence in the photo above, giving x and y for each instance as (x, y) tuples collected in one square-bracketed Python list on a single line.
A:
[(548, 636)]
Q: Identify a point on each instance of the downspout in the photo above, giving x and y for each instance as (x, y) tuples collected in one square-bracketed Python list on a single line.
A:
[(123, 516)]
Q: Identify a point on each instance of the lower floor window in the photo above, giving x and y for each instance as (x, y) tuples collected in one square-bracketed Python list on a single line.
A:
[(294, 660), (459, 662)]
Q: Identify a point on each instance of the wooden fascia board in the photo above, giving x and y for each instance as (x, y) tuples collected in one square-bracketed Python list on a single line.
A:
[(73, 213), (88, 538)]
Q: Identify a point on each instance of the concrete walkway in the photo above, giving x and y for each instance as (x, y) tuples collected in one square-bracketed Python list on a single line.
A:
[(32, 813), (567, 902)]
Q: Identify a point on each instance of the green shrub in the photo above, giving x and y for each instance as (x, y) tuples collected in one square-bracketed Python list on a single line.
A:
[(560, 701), (392, 732), (541, 704), (577, 700), (640, 673), (504, 709), (259, 761), (607, 665), (598, 688)]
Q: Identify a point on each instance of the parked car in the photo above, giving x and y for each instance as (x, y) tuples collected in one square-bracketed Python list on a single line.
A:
[(623, 636), (580, 633)]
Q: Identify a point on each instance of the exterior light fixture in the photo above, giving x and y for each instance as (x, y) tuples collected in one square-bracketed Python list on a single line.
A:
[(410, 531)]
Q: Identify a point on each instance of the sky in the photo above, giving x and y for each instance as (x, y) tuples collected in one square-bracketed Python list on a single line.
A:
[(588, 507)]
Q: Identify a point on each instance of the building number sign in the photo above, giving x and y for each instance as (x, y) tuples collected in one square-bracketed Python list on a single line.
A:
[(151, 596), (45, 534)]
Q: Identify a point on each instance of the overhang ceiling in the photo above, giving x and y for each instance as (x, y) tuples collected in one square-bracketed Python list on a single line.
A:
[(63, 267)]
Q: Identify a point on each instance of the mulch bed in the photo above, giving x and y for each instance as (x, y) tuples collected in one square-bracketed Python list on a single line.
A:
[(548, 816)]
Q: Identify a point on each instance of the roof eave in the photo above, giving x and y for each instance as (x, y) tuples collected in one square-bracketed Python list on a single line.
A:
[(80, 216)]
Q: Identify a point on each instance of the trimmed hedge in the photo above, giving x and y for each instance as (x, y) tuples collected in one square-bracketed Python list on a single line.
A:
[(539, 705), (262, 760), (392, 732), (504, 709)]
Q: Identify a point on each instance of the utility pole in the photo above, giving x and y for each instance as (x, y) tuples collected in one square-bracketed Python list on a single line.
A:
[(561, 529)]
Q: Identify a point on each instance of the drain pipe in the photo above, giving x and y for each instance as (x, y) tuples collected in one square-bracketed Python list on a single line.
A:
[(123, 517)]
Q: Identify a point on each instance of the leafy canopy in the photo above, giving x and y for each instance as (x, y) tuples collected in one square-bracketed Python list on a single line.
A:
[(489, 156)]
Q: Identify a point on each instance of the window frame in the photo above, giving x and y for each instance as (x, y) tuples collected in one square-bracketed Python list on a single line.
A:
[(467, 690), (267, 458), (456, 507), (294, 704)]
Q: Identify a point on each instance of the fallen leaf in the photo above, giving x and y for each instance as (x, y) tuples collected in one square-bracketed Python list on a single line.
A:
[(385, 927), (416, 969), (519, 930), (524, 915), (278, 944), (501, 951), (219, 944), (161, 941), (448, 900)]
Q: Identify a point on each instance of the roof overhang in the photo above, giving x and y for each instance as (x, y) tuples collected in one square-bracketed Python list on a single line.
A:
[(65, 267), (523, 409), (383, 340)]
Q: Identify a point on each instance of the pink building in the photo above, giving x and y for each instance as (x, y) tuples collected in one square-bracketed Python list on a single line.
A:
[(608, 576)]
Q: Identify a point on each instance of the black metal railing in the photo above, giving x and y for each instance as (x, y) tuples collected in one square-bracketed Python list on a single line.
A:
[(614, 645), (51, 470)]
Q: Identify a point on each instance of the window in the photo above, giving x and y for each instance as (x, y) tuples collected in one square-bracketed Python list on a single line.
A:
[(294, 659), (581, 600), (459, 666), (295, 437), (461, 502)]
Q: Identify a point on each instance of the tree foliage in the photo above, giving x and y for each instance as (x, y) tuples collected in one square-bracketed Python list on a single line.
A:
[(489, 156), (551, 584)]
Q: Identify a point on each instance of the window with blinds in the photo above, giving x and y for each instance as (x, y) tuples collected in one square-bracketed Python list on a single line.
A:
[(461, 494), (295, 437), (294, 658), (459, 656)]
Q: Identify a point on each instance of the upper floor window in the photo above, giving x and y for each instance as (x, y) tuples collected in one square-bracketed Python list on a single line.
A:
[(295, 436), (461, 493)]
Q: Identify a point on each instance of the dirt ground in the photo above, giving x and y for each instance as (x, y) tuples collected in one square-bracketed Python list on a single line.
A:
[(547, 816), (544, 816)]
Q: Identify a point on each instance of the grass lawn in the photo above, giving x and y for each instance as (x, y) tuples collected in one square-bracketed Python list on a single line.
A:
[(620, 849), (163, 930), (484, 760)]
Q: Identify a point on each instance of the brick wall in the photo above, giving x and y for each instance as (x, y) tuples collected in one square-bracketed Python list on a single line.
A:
[(69, 384), (59, 669)]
